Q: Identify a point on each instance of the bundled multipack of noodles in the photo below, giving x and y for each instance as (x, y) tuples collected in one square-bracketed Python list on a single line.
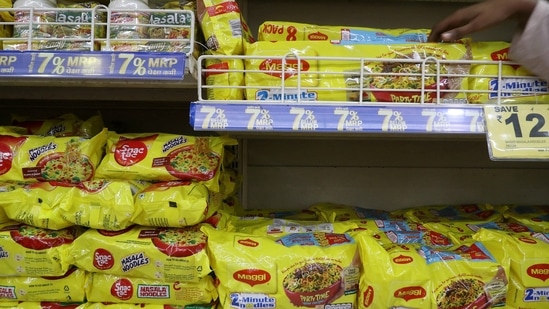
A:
[(321, 71), (315, 269), (419, 276)]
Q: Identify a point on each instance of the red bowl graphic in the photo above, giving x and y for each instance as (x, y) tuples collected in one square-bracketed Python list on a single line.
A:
[(42, 239), (316, 298)]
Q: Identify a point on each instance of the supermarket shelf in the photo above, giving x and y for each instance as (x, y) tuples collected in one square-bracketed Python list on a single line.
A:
[(96, 69), (91, 53)]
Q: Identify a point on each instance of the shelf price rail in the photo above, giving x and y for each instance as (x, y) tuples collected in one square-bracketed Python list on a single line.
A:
[(339, 94), (85, 43)]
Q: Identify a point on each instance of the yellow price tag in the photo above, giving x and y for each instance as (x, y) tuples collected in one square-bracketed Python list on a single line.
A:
[(517, 132)]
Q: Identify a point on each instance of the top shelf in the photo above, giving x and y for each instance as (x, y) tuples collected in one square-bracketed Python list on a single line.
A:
[(83, 47)]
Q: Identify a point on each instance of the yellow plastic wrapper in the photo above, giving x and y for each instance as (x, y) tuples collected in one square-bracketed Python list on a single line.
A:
[(42, 305), (275, 227), (529, 266), (339, 77), (224, 72), (332, 212), (417, 235), (223, 26), (121, 289), (31, 158), (5, 199), (315, 270), (6, 30), (455, 213), (462, 232), (39, 204), (393, 276), (289, 214), (100, 204), (175, 204), (291, 31), (536, 217), (92, 305), (164, 157), (69, 287), (466, 276), (27, 251), (167, 254), (516, 81), (62, 125), (13, 129)]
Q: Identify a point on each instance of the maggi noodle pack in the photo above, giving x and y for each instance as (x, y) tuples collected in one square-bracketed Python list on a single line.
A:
[(175, 204), (529, 266), (227, 72), (27, 251), (292, 31), (393, 276), (455, 213), (276, 227), (31, 158), (167, 254), (68, 287), (461, 232), (291, 71), (293, 271), (536, 217), (419, 276), (130, 290), (466, 276), (164, 157), (514, 82)]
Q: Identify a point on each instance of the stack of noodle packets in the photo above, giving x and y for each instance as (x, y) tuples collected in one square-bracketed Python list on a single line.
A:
[(508, 83)]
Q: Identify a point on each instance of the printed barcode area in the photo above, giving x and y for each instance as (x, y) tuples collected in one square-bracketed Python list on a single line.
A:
[(236, 27)]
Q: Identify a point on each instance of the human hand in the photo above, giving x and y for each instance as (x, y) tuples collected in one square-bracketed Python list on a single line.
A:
[(480, 16)]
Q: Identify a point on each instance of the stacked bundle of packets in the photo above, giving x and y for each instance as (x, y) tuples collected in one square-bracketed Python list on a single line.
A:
[(292, 60), (88, 215)]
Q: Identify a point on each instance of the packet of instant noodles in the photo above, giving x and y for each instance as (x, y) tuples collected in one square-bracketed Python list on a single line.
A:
[(164, 157), (100, 204), (69, 286), (130, 290), (529, 265), (40, 204), (292, 271), (175, 204), (31, 158), (167, 254), (28, 251)]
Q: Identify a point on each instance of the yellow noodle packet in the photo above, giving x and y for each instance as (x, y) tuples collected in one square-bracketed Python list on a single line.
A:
[(167, 254), (100, 204), (293, 271), (31, 158), (164, 157), (28, 251), (39, 204), (175, 204), (68, 287)]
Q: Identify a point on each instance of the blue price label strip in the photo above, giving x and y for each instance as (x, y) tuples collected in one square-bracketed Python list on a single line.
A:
[(335, 118), (93, 64)]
